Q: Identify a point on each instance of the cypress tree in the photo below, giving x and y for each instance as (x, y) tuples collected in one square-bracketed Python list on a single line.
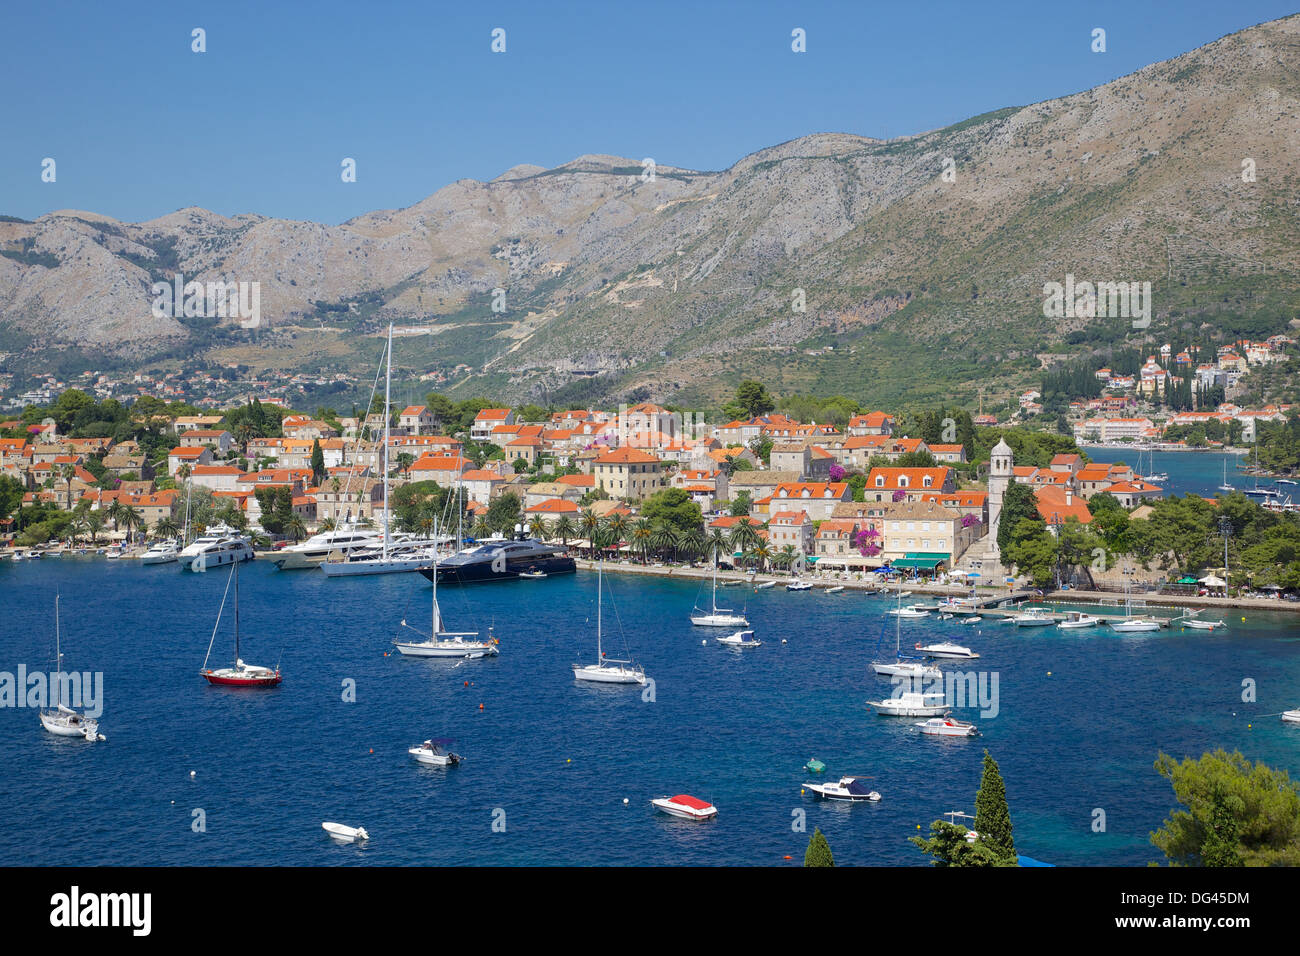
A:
[(992, 816), (819, 851)]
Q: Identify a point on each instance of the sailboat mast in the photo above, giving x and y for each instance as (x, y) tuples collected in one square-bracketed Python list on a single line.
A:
[(58, 654), (235, 567), (437, 624), (600, 571), (388, 383), (715, 579)]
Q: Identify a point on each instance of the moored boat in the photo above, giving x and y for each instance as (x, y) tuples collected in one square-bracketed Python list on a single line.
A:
[(345, 834), (1077, 619), (436, 752), (740, 639), (850, 789), (238, 674), (607, 670), (911, 704), (685, 806), (61, 720), (948, 650), (948, 727)]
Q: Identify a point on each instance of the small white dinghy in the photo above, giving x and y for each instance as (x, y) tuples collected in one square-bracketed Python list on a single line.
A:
[(1077, 619), (345, 834), (764, 586), (1291, 716), (1205, 625), (835, 590), (971, 620), (740, 639), (948, 727), (687, 807)]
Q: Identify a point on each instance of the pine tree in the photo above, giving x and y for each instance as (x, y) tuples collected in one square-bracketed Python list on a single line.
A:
[(992, 816), (819, 851)]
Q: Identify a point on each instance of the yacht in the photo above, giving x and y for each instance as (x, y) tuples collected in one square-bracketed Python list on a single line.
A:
[(851, 789), (1077, 619), (318, 547), (1291, 716), (1034, 617), (161, 552), (372, 560), (218, 545), (912, 703), (797, 585), (899, 667), (61, 720), (238, 674), (912, 610), (606, 670), (502, 559), (687, 807), (948, 727), (1134, 624), (948, 650), (740, 639), (444, 643), (717, 616), (436, 753)]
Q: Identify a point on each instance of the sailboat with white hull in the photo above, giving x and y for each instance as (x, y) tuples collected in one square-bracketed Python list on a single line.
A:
[(444, 643), (607, 670), (61, 720), (718, 616), (899, 667)]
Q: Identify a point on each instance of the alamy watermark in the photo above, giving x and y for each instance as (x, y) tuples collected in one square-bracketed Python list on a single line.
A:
[(215, 300), (1088, 300), (82, 690), (959, 689)]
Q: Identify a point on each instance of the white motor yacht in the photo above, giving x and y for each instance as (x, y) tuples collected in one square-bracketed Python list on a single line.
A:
[(948, 727), (1077, 619), (435, 752), (912, 610), (312, 552), (850, 789), (685, 806), (161, 552), (946, 649), (1034, 617), (740, 639), (911, 704)]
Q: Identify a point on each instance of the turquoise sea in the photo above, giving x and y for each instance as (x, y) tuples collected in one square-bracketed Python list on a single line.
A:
[(1081, 718)]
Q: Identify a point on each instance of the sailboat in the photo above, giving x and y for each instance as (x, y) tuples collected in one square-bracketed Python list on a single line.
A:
[(718, 616), (899, 666), (385, 560), (1225, 486), (442, 643), (238, 674), (60, 720), (1132, 624), (605, 670)]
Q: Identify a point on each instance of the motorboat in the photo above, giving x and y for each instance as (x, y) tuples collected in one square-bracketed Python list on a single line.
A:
[(1134, 624), (948, 727), (717, 616), (740, 639), (911, 703), (315, 550), (444, 643), (685, 806), (533, 574), (912, 610), (1204, 625), (967, 622), (436, 752), (1077, 619), (216, 552), (1291, 716), (238, 674), (161, 552), (764, 586), (850, 789), (835, 590), (1034, 617), (797, 585), (61, 720), (502, 559), (947, 650), (345, 834), (606, 670), (376, 560)]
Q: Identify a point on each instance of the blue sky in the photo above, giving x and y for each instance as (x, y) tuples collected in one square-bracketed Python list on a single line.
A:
[(140, 126)]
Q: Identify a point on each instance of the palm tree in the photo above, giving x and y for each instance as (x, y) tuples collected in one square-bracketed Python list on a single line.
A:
[(481, 527), (744, 536), (167, 528), (692, 543), (716, 542), (760, 553), (641, 534), (617, 525), (326, 525), (94, 524), (538, 528), (589, 524), (663, 539), (116, 512), (785, 557), (295, 527), (133, 520), (69, 472), (564, 529)]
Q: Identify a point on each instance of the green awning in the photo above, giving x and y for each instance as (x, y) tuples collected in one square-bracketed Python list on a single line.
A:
[(921, 561)]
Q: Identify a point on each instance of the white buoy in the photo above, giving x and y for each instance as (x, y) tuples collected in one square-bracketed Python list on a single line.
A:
[(625, 799), (704, 643), (784, 641), (191, 774)]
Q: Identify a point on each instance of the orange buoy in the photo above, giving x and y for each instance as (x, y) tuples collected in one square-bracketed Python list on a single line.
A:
[(787, 858), (480, 706), (466, 683)]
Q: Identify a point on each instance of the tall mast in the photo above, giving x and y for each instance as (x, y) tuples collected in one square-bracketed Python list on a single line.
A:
[(236, 572), (437, 615), (388, 382), (715, 579), (58, 654), (600, 570)]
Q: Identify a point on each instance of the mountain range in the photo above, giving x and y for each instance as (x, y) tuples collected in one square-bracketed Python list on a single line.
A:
[(908, 269)]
